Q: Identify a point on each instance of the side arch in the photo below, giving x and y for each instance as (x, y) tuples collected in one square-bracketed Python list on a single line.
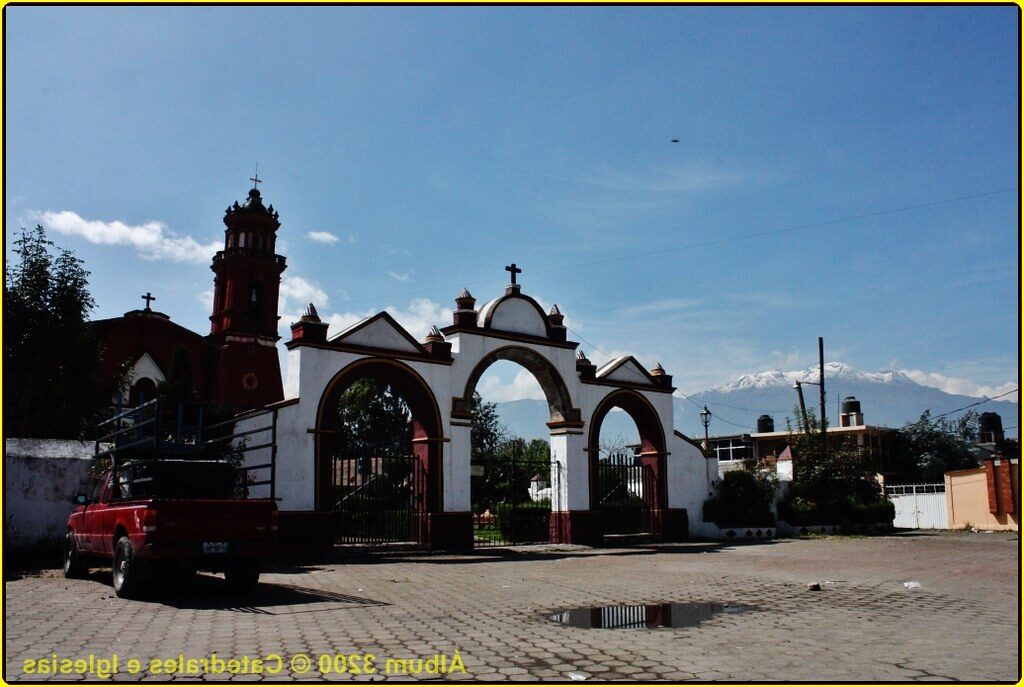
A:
[(427, 431), (562, 412), (653, 446)]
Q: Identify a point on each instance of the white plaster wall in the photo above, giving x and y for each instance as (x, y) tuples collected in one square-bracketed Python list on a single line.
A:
[(41, 477), (313, 370), (688, 484), (518, 315), (145, 366)]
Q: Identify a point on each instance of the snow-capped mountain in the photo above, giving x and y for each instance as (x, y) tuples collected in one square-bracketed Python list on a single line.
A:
[(888, 398), (834, 370)]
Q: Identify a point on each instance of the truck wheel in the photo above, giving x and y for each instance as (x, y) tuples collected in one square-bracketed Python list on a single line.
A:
[(126, 569), (73, 564), (242, 579)]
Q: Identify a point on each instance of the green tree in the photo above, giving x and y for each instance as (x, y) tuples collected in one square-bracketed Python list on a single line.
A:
[(50, 353), (924, 450), (372, 416), (486, 433), (830, 471)]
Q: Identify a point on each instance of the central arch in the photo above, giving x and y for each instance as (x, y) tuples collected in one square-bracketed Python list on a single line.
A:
[(652, 454), (562, 412), (514, 496), (427, 435)]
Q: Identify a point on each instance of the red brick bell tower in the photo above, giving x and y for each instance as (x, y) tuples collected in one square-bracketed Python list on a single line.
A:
[(244, 319)]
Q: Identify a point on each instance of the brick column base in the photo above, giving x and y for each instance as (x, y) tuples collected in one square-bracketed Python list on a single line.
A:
[(450, 531), (675, 525), (305, 532), (576, 527)]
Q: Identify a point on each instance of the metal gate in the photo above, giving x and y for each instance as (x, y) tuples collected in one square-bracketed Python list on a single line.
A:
[(625, 488), (376, 495), (919, 506), (512, 500)]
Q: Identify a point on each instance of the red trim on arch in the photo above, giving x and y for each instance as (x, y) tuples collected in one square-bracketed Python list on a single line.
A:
[(426, 420), (653, 446)]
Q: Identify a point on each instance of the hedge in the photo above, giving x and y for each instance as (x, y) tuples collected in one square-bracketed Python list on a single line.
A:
[(524, 522)]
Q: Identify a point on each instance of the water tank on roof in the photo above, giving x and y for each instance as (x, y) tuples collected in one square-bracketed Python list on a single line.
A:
[(990, 422), (990, 428), (850, 405), (765, 423)]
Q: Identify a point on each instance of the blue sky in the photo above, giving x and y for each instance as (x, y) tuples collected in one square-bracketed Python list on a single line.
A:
[(426, 148)]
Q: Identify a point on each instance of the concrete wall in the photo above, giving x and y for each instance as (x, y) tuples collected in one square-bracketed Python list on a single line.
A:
[(967, 500), (41, 476)]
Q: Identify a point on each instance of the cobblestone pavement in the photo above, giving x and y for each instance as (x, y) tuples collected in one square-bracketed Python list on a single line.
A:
[(493, 607)]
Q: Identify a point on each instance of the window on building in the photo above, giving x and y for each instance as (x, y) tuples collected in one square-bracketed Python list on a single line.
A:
[(731, 448)]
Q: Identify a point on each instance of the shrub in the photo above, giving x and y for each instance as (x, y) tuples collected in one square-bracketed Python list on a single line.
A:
[(878, 511), (798, 511), (524, 522), (801, 511), (742, 500)]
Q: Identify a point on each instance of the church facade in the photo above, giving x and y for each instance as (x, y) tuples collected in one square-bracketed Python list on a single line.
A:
[(236, 363)]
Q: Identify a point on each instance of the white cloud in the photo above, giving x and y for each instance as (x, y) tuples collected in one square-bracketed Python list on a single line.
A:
[(683, 179), (959, 385), (523, 386), (296, 292), (421, 315), (152, 240), (667, 305), (404, 276), (206, 298), (417, 318), (322, 237)]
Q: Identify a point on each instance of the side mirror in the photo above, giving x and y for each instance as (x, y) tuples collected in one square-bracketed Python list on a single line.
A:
[(81, 499)]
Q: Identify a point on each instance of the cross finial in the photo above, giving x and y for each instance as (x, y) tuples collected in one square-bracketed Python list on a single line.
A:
[(513, 270), (148, 297), (255, 178)]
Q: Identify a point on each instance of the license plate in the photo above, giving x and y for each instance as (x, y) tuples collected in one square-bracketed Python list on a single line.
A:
[(215, 547)]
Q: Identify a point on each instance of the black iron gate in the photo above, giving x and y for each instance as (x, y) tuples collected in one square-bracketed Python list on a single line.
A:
[(625, 488), (376, 495), (512, 500)]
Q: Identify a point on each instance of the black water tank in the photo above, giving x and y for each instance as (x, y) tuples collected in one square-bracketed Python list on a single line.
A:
[(851, 405), (990, 422), (765, 423)]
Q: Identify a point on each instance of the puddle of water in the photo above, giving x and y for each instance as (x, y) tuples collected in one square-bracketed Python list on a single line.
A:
[(644, 617)]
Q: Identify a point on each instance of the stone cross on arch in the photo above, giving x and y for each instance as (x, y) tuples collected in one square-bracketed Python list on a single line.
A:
[(513, 270)]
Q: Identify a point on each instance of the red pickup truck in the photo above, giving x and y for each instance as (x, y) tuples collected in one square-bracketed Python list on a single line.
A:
[(154, 516)]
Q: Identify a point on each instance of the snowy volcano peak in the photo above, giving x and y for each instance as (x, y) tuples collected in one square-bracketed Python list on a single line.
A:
[(833, 370)]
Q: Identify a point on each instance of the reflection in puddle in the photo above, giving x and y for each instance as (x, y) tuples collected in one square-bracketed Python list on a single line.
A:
[(644, 617)]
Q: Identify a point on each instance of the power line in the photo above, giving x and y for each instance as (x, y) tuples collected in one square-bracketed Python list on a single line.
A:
[(714, 242), (971, 405)]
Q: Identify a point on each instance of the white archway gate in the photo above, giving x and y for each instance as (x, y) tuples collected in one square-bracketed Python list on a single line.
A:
[(437, 378)]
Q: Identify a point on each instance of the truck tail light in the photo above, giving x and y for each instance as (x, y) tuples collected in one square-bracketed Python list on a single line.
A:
[(149, 520), (273, 520)]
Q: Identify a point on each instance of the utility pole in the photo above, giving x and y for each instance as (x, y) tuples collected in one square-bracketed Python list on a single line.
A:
[(803, 407), (821, 384)]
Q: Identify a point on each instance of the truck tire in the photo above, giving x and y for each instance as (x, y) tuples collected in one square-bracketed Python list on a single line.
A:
[(126, 571), (73, 565), (242, 579)]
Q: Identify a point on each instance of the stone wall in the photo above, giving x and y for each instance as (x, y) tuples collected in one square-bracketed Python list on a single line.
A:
[(41, 476)]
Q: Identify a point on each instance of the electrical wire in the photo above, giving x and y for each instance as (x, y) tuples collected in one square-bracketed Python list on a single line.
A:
[(971, 405), (704, 244)]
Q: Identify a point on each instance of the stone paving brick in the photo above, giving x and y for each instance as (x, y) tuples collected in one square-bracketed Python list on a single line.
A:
[(494, 608)]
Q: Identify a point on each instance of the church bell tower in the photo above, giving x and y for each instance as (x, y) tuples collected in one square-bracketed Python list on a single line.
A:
[(244, 319)]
